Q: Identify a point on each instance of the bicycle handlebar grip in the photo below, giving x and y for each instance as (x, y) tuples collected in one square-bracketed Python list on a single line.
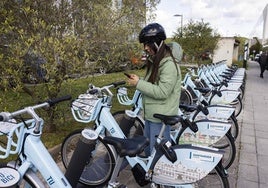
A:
[(93, 91), (219, 93), (52, 102), (4, 116), (203, 109), (115, 84), (225, 83), (205, 103)]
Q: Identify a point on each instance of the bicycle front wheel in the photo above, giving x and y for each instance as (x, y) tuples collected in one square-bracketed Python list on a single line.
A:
[(100, 164)]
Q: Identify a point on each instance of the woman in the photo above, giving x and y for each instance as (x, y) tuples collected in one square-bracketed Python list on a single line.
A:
[(161, 85)]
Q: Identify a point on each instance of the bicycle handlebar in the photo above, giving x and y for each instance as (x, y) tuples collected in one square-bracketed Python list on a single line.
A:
[(5, 116), (52, 102), (98, 90)]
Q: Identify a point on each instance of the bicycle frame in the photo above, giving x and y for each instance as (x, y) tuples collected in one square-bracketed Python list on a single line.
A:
[(38, 157), (33, 154)]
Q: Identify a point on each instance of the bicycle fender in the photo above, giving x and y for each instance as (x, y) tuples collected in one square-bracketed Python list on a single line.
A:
[(209, 132), (193, 163)]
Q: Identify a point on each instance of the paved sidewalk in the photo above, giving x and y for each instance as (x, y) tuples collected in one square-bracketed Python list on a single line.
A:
[(253, 157)]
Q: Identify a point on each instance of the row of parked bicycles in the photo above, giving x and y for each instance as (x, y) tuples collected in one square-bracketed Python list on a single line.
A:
[(202, 148)]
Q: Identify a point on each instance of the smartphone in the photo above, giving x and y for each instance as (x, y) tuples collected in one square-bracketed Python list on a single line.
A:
[(128, 75)]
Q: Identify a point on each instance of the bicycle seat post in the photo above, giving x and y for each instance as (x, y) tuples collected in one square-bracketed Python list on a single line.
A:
[(160, 136)]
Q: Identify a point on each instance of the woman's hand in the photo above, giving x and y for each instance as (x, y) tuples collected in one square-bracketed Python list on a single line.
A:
[(133, 80)]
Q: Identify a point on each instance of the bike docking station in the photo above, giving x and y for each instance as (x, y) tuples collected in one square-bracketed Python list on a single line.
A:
[(127, 121), (85, 146), (9, 177)]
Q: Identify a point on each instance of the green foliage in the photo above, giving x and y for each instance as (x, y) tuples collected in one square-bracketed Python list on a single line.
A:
[(238, 63), (255, 48), (67, 37), (196, 39)]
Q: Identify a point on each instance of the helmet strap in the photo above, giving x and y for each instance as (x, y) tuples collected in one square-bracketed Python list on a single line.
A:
[(158, 47)]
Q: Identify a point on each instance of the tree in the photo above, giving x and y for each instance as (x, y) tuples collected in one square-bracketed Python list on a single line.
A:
[(196, 39), (255, 48), (65, 36)]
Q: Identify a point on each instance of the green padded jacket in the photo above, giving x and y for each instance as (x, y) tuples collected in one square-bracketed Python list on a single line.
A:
[(162, 97)]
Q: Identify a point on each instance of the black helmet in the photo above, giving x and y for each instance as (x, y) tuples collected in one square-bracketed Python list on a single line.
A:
[(151, 33)]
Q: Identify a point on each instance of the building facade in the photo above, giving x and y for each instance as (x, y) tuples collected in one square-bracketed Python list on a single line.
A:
[(227, 50)]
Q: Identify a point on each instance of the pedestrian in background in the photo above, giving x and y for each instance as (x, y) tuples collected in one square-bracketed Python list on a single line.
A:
[(161, 85), (263, 60)]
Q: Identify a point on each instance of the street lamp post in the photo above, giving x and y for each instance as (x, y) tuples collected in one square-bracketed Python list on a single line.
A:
[(180, 15)]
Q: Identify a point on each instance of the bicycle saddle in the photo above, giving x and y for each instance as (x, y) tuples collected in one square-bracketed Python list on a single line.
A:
[(192, 108), (215, 84), (128, 146), (204, 90), (168, 120), (188, 108)]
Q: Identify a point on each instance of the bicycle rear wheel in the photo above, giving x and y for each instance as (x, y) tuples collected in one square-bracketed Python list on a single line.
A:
[(100, 164)]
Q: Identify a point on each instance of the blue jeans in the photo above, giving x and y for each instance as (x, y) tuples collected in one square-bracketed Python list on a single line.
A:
[(151, 131)]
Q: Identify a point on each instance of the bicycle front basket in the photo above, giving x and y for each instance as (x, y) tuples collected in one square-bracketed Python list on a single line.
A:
[(85, 108), (122, 96), (10, 138)]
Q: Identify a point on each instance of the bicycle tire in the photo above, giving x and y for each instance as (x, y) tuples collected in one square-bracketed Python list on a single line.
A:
[(229, 151), (215, 180), (101, 163), (237, 103), (241, 91), (234, 128), (186, 97)]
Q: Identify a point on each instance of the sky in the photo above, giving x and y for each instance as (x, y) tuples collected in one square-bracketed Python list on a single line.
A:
[(228, 17)]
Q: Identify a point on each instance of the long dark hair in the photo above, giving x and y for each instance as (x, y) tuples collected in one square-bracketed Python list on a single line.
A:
[(163, 51)]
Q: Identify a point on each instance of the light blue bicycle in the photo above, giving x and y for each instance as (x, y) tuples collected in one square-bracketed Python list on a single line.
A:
[(175, 166), (22, 136)]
